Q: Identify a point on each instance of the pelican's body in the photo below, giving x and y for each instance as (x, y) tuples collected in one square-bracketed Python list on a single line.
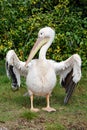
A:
[(41, 78)]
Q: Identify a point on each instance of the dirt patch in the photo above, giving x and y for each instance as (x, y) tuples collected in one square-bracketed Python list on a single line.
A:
[(24, 124), (78, 125)]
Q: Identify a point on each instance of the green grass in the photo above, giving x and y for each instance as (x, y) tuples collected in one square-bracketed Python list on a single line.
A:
[(15, 109), (29, 115)]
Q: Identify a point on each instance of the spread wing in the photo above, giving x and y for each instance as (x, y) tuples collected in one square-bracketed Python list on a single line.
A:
[(11, 71), (15, 68), (70, 74)]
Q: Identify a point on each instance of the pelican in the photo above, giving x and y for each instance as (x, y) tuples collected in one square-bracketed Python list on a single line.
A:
[(15, 68), (41, 77)]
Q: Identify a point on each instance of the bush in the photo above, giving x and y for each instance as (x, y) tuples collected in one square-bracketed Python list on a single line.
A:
[(21, 20)]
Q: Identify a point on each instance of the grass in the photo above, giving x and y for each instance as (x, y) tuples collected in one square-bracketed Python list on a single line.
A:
[(15, 113)]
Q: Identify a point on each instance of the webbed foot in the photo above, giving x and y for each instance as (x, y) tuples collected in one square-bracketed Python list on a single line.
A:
[(49, 109), (34, 109)]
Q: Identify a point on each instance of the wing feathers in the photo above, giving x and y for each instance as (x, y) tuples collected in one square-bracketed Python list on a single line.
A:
[(13, 76), (67, 80), (11, 70), (69, 93), (70, 74), (69, 86), (74, 62)]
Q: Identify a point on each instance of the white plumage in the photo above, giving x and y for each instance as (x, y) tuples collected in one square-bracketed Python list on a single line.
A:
[(41, 78), (15, 68)]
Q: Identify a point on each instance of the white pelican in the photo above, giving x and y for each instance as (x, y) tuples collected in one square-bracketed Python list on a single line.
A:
[(15, 68), (41, 78)]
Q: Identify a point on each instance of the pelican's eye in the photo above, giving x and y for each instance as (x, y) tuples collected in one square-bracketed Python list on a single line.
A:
[(41, 34)]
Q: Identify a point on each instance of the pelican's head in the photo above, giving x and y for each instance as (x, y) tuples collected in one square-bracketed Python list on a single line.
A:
[(45, 35)]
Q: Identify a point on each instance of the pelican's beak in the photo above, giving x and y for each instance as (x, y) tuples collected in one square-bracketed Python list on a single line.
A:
[(38, 44)]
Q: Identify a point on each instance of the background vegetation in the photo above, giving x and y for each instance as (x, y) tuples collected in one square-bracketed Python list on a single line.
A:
[(20, 21)]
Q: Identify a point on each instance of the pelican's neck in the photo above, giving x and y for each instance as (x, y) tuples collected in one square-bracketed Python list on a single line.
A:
[(43, 50)]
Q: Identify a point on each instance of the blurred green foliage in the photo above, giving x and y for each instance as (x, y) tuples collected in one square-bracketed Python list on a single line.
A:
[(20, 21)]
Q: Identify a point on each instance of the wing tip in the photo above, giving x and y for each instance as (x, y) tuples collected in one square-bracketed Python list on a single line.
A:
[(69, 92)]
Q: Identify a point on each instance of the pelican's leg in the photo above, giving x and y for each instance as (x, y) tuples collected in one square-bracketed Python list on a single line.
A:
[(48, 108), (32, 107)]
